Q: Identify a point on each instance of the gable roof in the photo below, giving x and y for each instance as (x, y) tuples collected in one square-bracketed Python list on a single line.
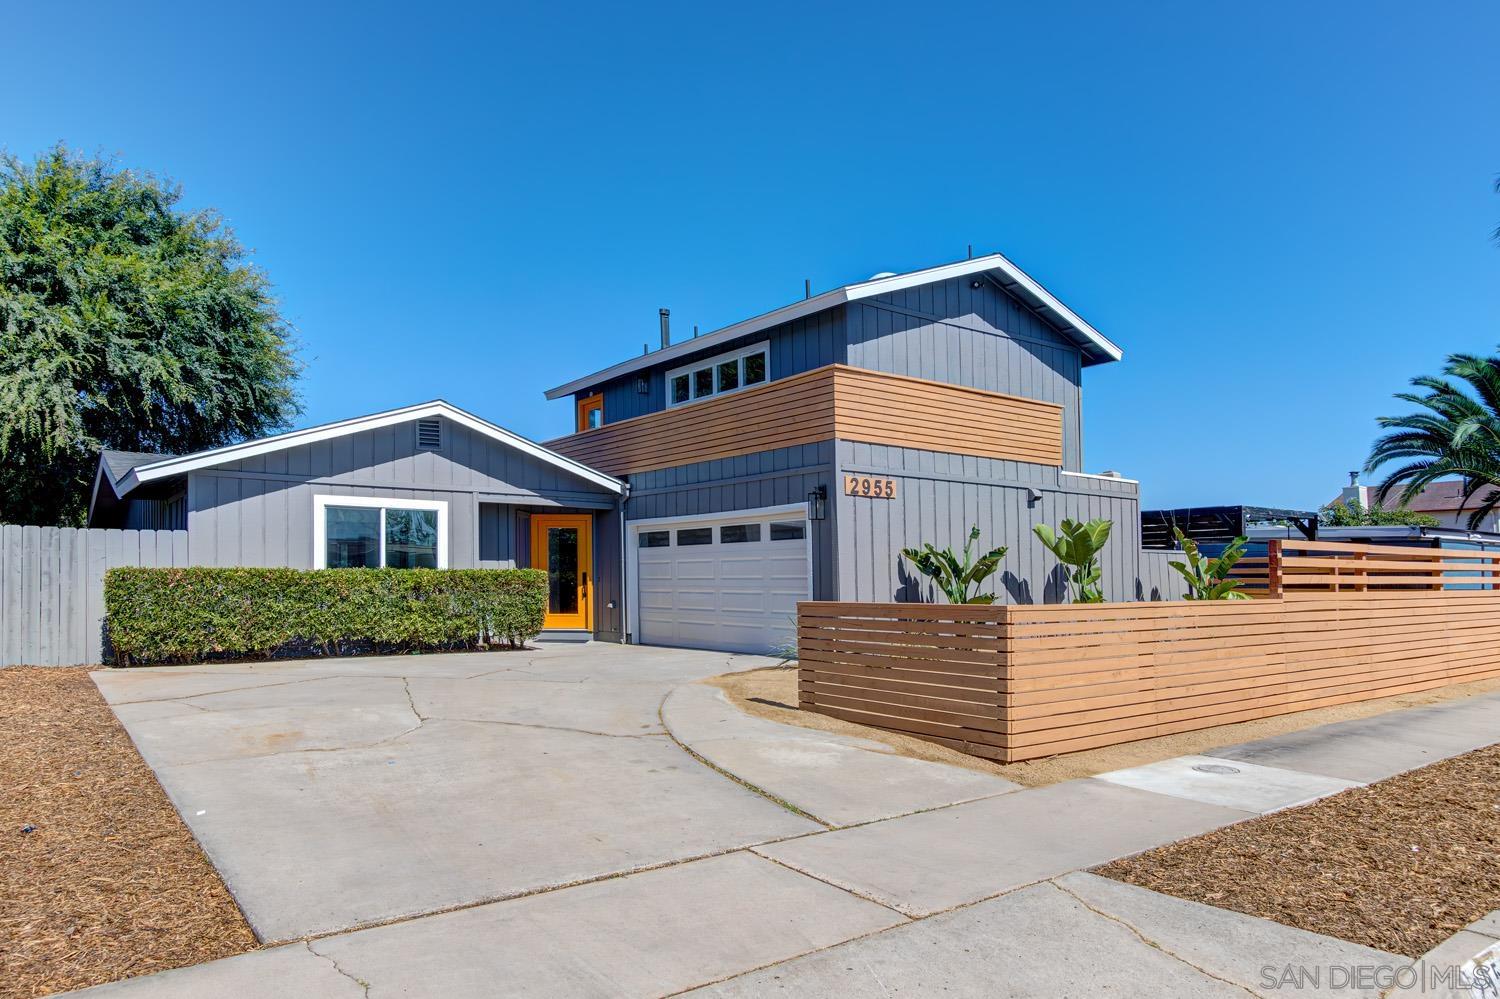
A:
[(1097, 348), (1442, 496), (167, 466), (117, 463)]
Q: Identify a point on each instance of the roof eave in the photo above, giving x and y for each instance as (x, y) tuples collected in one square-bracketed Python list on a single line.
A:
[(234, 452), (785, 314), (1095, 346)]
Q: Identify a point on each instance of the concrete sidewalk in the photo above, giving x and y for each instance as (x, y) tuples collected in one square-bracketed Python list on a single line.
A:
[(913, 880)]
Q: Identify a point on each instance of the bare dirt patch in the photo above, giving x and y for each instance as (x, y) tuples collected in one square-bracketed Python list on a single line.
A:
[(1400, 865), (772, 694), (108, 883)]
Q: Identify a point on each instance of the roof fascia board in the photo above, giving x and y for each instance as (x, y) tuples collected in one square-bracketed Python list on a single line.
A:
[(785, 314), (99, 475), (250, 449), (853, 293)]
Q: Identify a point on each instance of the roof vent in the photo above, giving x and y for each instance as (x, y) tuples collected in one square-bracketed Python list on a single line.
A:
[(430, 435), (882, 274)]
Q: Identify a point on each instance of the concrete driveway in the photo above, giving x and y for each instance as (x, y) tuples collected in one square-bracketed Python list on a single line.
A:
[(339, 794), (589, 821)]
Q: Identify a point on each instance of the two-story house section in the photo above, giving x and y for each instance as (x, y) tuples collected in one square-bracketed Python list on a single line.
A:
[(793, 456)]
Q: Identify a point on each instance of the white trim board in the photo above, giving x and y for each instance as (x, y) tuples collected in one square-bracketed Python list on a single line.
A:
[(1010, 277), (1101, 478), (322, 501), (328, 431)]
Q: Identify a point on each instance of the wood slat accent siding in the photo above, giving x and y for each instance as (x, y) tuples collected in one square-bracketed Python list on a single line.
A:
[(1019, 682), (880, 408), (834, 401)]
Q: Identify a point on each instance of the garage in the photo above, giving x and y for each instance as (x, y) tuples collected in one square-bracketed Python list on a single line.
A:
[(729, 582)]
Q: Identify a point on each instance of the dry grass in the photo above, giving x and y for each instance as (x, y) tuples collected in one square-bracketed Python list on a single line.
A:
[(110, 884), (1400, 865), (772, 694)]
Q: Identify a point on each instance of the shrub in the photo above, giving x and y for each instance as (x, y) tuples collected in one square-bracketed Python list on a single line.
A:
[(1077, 545), (156, 615), (957, 579), (1208, 578)]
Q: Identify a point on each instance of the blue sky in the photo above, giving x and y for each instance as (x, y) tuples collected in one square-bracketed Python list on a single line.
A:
[(1280, 211)]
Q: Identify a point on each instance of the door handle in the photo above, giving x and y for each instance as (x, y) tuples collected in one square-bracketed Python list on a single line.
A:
[(585, 582)]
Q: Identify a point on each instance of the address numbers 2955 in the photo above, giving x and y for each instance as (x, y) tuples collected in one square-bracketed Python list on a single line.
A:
[(869, 485)]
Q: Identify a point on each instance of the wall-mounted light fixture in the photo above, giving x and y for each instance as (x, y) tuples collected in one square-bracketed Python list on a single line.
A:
[(642, 385), (817, 504)]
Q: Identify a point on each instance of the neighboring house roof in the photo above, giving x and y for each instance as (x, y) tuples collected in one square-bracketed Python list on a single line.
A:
[(167, 466), (1445, 496), (117, 463), (1096, 347)]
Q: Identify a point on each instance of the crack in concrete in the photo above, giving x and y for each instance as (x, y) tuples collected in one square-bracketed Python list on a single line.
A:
[(549, 728), (421, 721), (184, 698), (363, 985), (406, 685), (1140, 935)]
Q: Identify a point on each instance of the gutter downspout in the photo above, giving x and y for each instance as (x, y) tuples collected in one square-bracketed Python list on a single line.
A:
[(625, 594)]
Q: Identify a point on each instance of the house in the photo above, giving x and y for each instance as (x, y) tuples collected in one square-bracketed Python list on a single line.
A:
[(424, 486), (1443, 501), (710, 484)]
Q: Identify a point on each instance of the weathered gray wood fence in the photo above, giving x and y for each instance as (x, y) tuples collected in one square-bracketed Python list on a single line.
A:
[(52, 588)]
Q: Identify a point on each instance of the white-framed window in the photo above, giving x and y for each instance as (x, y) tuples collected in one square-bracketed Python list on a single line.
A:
[(719, 375), (375, 531)]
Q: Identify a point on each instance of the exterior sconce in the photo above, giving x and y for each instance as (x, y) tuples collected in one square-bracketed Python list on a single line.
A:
[(817, 504)]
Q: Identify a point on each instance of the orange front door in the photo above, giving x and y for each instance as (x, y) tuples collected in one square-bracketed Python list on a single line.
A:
[(562, 544)]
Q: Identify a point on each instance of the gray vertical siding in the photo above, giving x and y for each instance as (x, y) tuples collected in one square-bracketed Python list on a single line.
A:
[(608, 580), (984, 338), (746, 482), (800, 345), (940, 496), (52, 588), (945, 332), (258, 511), (1157, 579)]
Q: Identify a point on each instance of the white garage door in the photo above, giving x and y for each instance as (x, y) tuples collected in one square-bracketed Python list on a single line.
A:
[(730, 583)]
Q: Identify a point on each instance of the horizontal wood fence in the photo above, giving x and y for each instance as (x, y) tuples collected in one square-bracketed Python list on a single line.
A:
[(1293, 567), (52, 588), (1019, 682)]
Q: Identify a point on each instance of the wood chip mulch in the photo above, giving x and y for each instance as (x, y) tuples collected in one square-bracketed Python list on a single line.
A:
[(1400, 865), (99, 878)]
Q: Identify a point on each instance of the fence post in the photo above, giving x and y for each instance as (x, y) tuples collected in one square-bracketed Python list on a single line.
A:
[(1273, 568)]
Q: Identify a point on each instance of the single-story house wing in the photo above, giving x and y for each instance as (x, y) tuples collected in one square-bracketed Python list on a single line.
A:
[(423, 486)]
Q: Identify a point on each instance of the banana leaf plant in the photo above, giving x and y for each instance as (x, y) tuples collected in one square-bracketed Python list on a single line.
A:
[(1208, 578), (957, 579), (1076, 545)]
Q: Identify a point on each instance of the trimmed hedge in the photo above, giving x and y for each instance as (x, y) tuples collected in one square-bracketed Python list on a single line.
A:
[(167, 615)]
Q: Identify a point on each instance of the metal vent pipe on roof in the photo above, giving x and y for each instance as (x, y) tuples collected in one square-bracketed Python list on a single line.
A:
[(666, 328)]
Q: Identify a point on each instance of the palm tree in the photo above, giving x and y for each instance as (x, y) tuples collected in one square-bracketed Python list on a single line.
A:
[(1455, 435)]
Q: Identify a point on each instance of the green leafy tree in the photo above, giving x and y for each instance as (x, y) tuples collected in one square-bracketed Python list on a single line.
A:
[(1454, 434), (1208, 578), (1353, 514), (957, 578), (1077, 545), (125, 322)]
